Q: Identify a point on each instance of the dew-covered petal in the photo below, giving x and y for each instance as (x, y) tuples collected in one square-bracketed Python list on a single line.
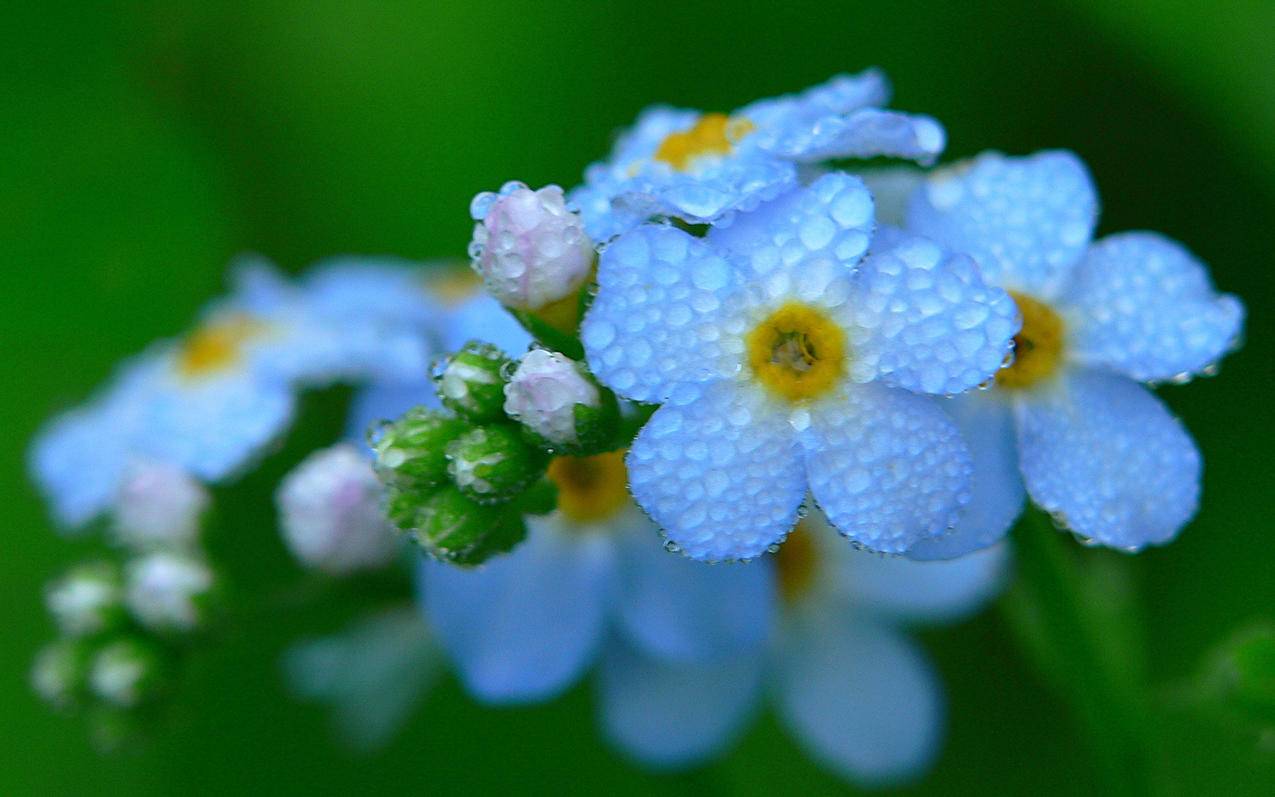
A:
[(836, 96), (797, 245), (721, 475), (903, 589), (524, 626), (676, 609), (1027, 221), (1103, 455), (667, 715), (862, 699), (659, 317), (925, 320), (867, 133), (888, 467), (996, 492), (1142, 305)]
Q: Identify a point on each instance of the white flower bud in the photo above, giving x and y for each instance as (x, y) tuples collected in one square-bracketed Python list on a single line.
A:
[(159, 506), (331, 515), (167, 591), (87, 600), (529, 248), (125, 672), (543, 393)]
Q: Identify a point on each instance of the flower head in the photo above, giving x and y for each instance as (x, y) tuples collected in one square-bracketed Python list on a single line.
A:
[(331, 515), (786, 363), (530, 249), (702, 167), (159, 506), (1067, 418)]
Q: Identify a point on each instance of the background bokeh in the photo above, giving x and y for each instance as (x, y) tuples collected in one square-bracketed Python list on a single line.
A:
[(144, 145)]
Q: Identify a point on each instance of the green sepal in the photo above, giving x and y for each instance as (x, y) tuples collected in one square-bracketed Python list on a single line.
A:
[(471, 382), (493, 464), (454, 529), (549, 335), (411, 453)]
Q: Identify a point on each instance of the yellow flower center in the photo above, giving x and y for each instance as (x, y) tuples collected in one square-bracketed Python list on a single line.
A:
[(797, 352), (452, 284), (712, 134), (590, 489), (215, 346), (796, 563), (1037, 347)]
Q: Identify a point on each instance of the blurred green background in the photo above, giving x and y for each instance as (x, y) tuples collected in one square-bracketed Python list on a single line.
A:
[(143, 145)]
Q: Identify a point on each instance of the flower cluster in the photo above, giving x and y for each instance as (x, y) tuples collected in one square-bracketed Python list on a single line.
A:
[(730, 417)]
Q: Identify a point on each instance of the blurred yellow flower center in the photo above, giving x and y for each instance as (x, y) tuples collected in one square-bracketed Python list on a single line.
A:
[(796, 563), (712, 134), (797, 352), (1037, 347), (452, 285), (590, 489), (215, 346)]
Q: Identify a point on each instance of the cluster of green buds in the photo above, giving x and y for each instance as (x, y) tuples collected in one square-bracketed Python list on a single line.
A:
[(460, 479), (123, 626)]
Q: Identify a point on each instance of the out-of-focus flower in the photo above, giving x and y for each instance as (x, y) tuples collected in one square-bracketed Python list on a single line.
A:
[(87, 600), (1094, 448), (786, 364), (530, 249), (524, 626), (168, 591), (126, 672), (159, 506), (373, 673), (847, 682), (551, 396), (331, 514), (702, 167), (60, 672)]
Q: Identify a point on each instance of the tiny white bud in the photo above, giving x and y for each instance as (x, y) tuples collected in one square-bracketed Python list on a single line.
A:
[(60, 672), (87, 600), (330, 511), (165, 591), (529, 248), (124, 673), (159, 506), (543, 392)]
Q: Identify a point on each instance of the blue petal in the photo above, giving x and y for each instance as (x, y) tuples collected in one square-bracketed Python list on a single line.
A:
[(860, 698), (78, 460), (384, 402), (1142, 305), (676, 609), (866, 133), (524, 626), (483, 318), (996, 492), (902, 589), (667, 716), (1107, 459)]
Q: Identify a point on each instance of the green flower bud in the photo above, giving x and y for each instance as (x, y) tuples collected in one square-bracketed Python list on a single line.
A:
[(61, 671), (454, 529), (88, 600), (411, 453), (471, 382), (127, 672), (493, 464)]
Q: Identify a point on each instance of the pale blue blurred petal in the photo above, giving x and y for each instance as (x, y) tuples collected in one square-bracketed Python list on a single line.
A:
[(903, 589)]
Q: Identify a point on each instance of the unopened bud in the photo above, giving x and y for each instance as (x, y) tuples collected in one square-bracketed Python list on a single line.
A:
[(493, 464), (529, 248), (125, 673), (411, 453), (330, 512), (60, 672), (168, 591), (87, 600), (159, 506), (554, 398), (454, 529), (471, 382)]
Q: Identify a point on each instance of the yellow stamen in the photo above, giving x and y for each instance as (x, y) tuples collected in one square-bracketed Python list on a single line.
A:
[(216, 346), (590, 489), (712, 134), (796, 563), (1037, 347), (797, 352)]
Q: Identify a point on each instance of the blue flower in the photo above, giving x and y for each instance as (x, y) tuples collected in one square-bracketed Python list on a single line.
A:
[(702, 167), (525, 626), (788, 363), (847, 682), (1068, 419)]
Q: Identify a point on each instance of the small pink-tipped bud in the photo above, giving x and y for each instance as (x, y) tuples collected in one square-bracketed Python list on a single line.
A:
[(159, 506), (331, 515), (543, 394), (529, 248)]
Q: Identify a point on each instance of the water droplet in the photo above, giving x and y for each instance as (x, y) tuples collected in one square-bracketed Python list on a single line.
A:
[(672, 547)]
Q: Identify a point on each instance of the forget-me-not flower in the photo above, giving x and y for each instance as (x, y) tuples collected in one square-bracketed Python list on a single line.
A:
[(701, 167), (845, 679), (789, 363), (1093, 447)]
